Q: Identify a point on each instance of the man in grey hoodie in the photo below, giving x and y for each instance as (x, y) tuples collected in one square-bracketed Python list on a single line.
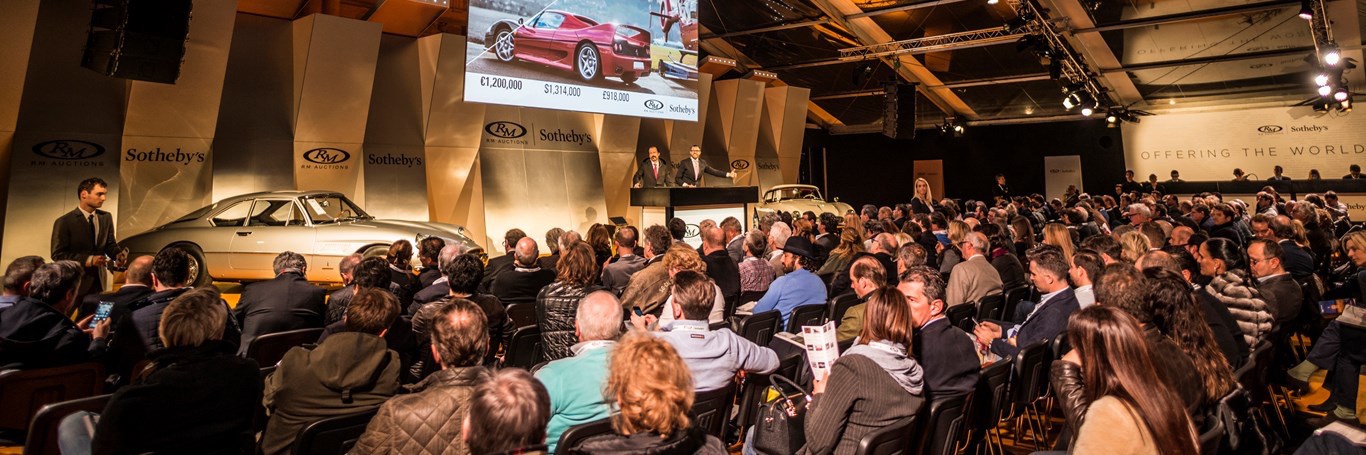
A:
[(713, 356)]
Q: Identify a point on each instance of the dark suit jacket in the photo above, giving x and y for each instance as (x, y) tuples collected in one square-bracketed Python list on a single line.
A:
[(1284, 297), (549, 262), (35, 335), (428, 276), (645, 175), (722, 269), (1297, 261), (1225, 329), (495, 266), (1045, 324), (521, 285), (430, 294), (121, 298), (1001, 191), (948, 357), (288, 302), (73, 241), (685, 174)]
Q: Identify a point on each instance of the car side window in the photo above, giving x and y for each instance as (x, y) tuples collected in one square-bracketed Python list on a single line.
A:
[(276, 213), (549, 21), (236, 215)]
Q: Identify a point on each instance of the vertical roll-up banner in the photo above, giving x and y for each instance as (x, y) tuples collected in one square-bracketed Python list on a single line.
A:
[(46, 168), (933, 173), (1059, 173)]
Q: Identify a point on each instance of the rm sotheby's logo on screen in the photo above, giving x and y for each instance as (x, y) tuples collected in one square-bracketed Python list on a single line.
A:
[(67, 153), (326, 158)]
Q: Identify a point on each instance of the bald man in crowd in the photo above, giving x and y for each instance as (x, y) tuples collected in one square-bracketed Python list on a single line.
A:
[(137, 284), (524, 280)]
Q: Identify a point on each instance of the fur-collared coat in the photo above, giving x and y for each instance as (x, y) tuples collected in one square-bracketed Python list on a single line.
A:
[(1245, 303)]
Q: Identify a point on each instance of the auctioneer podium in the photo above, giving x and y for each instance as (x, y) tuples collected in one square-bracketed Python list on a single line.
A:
[(693, 205)]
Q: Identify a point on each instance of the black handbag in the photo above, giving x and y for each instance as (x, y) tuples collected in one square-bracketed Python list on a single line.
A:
[(779, 429)]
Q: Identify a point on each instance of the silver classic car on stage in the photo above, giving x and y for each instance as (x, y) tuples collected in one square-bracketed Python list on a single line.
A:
[(796, 199), (237, 239)]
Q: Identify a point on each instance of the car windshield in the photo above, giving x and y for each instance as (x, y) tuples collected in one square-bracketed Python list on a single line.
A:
[(197, 214), (796, 193), (332, 208)]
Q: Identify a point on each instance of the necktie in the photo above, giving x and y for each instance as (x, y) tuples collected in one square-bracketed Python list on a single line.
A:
[(655, 164), (696, 171), (94, 236)]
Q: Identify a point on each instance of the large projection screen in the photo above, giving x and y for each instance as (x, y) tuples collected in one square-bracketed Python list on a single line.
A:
[(624, 57)]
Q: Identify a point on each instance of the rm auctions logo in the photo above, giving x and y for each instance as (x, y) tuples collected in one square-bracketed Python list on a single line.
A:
[(654, 104), (505, 130), (1270, 129), (692, 231), (68, 153), (739, 165), (326, 158), (1062, 171)]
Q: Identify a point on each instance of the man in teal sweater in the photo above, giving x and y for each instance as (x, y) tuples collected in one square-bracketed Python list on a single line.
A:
[(575, 383)]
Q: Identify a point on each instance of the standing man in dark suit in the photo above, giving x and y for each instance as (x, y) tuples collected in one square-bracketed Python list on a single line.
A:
[(1000, 191), (288, 302), (946, 353), (501, 263), (86, 235), (690, 170), (653, 172), (137, 284), (1048, 270)]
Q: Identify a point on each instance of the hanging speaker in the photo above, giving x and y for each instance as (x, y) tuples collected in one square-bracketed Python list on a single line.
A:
[(898, 110), (138, 39)]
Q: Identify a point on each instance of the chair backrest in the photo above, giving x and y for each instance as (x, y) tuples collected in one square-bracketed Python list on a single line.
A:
[(946, 426), (718, 325), (575, 435), (333, 435), (1210, 440), (1029, 378), (960, 312), (711, 409), (1059, 345), (24, 392), (42, 433), (806, 315), (895, 439), (990, 307), (1253, 374), (993, 387), (522, 314), (760, 327), (524, 349), (749, 296), (268, 349), (841, 305), (1013, 296)]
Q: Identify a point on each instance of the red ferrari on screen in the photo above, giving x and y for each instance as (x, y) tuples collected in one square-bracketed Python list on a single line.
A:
[(575, 43)]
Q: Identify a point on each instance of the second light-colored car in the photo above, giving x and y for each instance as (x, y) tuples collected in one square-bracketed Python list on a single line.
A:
[(797, 199)]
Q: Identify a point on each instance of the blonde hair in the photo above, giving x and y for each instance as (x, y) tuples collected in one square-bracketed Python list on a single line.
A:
[(193, 318), (928, 200), (1354, 240), (683, 257), (650, 387), (852, 221), (958, 231), (1057, 235), (1134, 245), (851, 241)]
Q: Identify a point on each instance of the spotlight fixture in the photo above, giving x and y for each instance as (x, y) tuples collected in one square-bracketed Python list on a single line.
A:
[(1306, 10), (1331, 55), (1112, 118), (1325, 90), (993, 2), (1087, 111), (1340, 94), (1345, 105), (953, 126), (1321, 79)]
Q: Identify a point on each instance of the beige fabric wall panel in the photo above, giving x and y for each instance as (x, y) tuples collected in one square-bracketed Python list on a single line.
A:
[(455, 190), (161, 179), (334, 72), (684, 134), (253, 147), (16, 41), (617, 157), (330, 166), (741, 113), (787, 110), (394, 161)]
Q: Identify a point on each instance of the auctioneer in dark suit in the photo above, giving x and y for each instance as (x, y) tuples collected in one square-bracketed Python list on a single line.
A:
[(288, 302), (653, 174), (949, 358), (77, 238), (690, 173)]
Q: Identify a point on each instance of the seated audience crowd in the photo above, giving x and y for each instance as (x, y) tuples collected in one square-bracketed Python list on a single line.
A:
[(1151, 311)]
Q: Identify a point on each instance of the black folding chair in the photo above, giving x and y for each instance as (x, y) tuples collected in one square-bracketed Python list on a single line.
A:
[(42, 433), (841, 305), (522, 314), (1029, 383), (806, 315), (268, 349), (524, 349), (333, 435), (895, 439), (1013, 298), (23, 393), (711, 409), (575, 435), (961, 312), (990, 307), (947, 425), (759, 328), (993, 388)]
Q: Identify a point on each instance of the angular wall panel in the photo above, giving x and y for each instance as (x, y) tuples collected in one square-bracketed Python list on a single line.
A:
[(451, 134), (254, 140)]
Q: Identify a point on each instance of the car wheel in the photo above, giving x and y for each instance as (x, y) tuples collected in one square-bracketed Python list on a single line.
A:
[(503, 46), (588, 63), (629, 77), (199, 272)]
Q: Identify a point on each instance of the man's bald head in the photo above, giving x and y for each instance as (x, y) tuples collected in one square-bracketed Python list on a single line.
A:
[(448, 254), (527, 251), (885, 242), (139, 271), (598, 317), (1181, 235), (713, 237), (1158, 259)]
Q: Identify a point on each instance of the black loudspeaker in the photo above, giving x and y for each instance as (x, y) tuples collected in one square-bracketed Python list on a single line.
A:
[(138, 39), (898, 110)]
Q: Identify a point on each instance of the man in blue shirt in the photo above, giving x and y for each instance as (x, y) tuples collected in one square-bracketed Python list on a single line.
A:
[(713, 357), (575, 383), (798, 286)]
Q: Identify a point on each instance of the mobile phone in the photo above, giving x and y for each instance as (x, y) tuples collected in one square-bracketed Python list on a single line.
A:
[(101, 313), (636, 310), (974, 322)]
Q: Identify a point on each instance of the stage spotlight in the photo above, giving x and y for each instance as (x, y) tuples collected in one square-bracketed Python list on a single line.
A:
[(958, 130), (1306, 10), (1087, 111), (1321, 80), (993, 2), (1331, 55), (1340, 95), (1325, 90), (1112, 117)]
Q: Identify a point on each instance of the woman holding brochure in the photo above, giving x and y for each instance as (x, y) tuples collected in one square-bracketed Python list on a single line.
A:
[(873, 385)]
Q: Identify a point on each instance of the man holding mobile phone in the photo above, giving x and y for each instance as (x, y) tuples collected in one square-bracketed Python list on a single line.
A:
[(86, 235)]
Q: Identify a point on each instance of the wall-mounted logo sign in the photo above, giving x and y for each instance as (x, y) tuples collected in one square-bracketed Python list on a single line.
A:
[(327, 155), (505, 130), (739, 165), (654, 104), (390, 159), (692, 231), (1270, 129), (68, 149), (156, 155)]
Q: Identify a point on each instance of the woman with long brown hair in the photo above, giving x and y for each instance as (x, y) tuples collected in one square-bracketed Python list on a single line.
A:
[(558, 301), (851, 244), (1177, 315), (601, 241), (1132, 411), (1022, 233)]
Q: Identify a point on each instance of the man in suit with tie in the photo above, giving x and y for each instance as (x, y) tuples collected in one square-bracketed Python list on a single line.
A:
[(946, 353), (651, 170), (86, 235), (1048, 270), (690, 170)]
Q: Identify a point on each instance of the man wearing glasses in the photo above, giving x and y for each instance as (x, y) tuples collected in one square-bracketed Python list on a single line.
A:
[(973, 278)]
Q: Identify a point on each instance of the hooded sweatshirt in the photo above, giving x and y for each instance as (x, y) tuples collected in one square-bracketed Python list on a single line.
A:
[(350, 372)]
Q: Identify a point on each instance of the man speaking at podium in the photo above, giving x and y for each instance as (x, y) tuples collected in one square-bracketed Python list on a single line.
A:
[(690, 170), (653, 172)]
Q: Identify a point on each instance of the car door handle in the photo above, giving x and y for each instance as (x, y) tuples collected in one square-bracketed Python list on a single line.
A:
[(243, 233)]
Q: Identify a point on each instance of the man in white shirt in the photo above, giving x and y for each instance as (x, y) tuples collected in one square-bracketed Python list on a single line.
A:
[(1086, 264), (690, 170)]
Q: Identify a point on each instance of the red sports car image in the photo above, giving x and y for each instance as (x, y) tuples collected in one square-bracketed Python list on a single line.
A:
[(575, 43)]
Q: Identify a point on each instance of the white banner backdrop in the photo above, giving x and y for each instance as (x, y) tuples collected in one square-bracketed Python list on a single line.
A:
[(1208, 146), (1059, 172)]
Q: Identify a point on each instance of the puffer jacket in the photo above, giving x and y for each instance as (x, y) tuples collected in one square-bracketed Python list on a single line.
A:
[(692, 441), (425, 422), (555, 308), (1245, 303)]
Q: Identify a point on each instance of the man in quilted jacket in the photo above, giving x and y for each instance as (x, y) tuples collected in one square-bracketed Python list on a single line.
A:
[(428, 421)]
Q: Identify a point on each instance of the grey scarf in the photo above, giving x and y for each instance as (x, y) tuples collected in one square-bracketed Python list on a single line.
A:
[(892, 358)]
